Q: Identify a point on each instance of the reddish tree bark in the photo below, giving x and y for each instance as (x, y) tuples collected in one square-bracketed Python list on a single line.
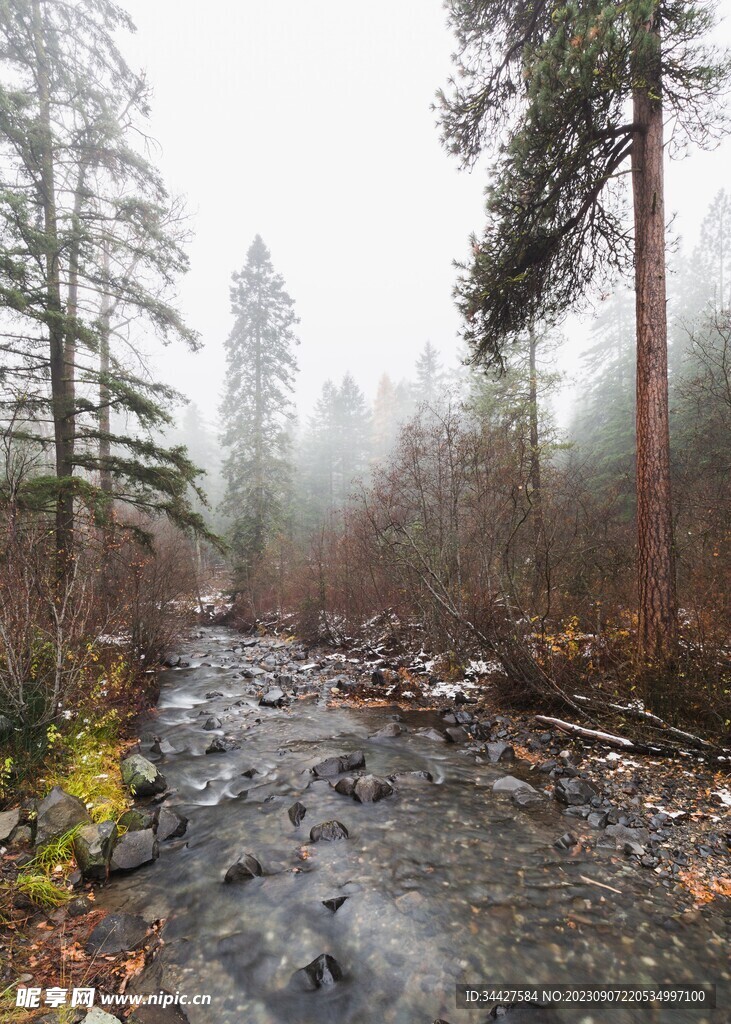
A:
[(655, 546)]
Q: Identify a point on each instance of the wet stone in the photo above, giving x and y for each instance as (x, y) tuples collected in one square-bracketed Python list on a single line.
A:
[(245, 868), (344, 786), (296, 813), (213, 723), (337, 765), (170, 824), (8, 821), (273, 698), (526, 797), (566, 841), (212, 694), (389, 731), (117, 933), (216, 746), (322, 972), (369, 789), (134, 849), (509, 784), (142, 777), (334, 904), (328, 832)]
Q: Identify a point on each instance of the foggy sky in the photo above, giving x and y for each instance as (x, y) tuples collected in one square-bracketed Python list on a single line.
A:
[(309, 122)]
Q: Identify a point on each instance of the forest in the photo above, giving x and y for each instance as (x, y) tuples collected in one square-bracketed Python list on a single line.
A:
[(524, 537)]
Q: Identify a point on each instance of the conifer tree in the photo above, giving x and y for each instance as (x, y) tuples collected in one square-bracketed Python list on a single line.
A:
[(556, 83), (256, 410), (78, 201), (429, 376)]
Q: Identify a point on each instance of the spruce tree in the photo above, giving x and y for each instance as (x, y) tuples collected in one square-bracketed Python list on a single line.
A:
[(554, 84), (256, 410)]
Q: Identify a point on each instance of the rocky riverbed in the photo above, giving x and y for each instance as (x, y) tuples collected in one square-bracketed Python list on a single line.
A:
[(349, 865)]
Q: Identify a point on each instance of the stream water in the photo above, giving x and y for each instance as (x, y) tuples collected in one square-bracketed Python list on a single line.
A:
[(447, 882)]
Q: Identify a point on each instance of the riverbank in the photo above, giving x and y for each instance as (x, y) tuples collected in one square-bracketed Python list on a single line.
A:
[(445, 864)]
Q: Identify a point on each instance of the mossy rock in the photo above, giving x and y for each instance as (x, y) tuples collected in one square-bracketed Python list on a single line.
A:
[(142, 777)]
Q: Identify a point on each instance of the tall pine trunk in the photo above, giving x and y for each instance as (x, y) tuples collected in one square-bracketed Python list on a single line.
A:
[(105, 320), (62, 378), (536, 495), (655, 553)]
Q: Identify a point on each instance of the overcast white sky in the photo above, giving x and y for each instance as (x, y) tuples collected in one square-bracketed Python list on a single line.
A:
[(309, 122)]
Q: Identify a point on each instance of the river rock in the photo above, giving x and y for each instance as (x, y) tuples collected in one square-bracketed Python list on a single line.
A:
[(574, 791), (526, 797), (328, 832), (212, 694), (142, 777), (170, 824), (216, 746), (369, 789), (152, 1014), (321, 973), (405, 778), (388, 732), (296, 813), (93, 846), (499, 752), (621, 835), (213, 723), (344, 786), (337, 765), (245, 868), (457, 734), (335, 903), (98, 1016), (58, 813), (509, 784), (138, 818), (117, 933), (79, 906), (273, 698), (133, 850), (8, 821), (435, 735)]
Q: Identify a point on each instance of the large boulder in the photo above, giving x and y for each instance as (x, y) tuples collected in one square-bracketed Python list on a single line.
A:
[(574, 791), (117, 933), (370, 788), (337, 765), (328, 832), (133, 850), (57, 814), (321, 973), (246, 867), (93, 845), (142, 777)]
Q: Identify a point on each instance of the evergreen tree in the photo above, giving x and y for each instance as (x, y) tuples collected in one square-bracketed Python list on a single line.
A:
[(77, 201), (429, 376), (256, 407), (557, 82), (603, 425)]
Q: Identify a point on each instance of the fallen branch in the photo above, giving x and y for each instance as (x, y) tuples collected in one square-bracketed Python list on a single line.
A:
[(594, 734), (654, 721)]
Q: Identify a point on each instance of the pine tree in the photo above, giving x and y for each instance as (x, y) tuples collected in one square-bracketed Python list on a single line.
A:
[(256, 407), (556, 82), (77, 201)]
